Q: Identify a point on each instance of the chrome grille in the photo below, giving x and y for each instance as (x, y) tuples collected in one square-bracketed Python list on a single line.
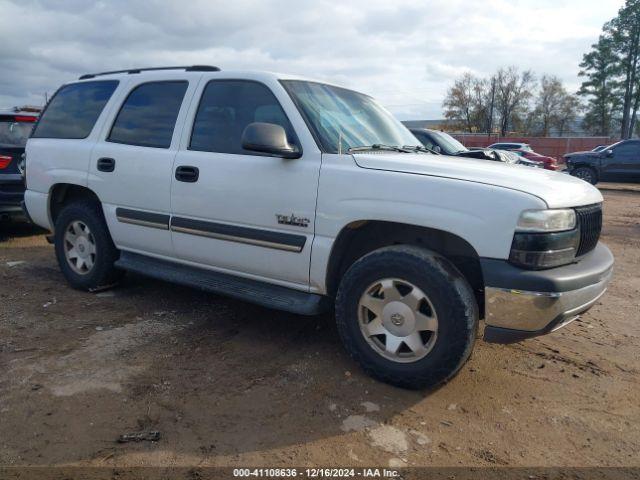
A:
[(589, 219)]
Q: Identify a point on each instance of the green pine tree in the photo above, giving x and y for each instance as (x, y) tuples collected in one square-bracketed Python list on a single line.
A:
[(599, 67)]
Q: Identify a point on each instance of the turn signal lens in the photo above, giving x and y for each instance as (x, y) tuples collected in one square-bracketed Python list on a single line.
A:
[(544, 250)]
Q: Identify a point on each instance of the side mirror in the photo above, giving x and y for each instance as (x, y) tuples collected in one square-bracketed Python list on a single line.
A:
[(609, 153), (437, 149), (268, 138)]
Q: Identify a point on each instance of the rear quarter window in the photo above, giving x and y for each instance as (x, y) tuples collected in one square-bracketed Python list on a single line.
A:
[(74, 110)]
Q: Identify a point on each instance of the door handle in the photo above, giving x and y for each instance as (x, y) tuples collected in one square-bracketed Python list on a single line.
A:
[(186, 173), (106, 164)]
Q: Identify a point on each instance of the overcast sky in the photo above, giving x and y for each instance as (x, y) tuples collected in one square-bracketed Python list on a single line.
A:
[(405, 53)]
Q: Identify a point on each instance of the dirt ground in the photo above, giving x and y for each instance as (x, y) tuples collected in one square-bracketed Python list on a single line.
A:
[(227, 383)]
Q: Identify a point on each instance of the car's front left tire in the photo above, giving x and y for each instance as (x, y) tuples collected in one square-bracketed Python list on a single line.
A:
[(587, 174), (407, 316), (84, 248)]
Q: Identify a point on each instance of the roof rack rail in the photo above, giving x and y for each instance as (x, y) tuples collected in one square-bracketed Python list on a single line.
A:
[(191, 68)]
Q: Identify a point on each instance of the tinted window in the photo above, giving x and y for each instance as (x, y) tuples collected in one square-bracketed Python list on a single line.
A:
[(74, 110), (629, 148), (148, 116), (225, 110)]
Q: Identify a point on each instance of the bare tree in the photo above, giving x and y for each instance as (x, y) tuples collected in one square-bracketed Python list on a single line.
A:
[(548, 103), (459, 102), (568, 111), (470, 103), (554, 108), (513, 92), (476, 105), (484, 104)]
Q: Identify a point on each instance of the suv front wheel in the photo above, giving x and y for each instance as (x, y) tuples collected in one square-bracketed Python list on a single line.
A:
[(84, 248), (407, 316), (587, 174)]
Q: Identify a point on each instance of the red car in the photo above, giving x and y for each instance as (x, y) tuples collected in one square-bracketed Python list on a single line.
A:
[(550, 163)]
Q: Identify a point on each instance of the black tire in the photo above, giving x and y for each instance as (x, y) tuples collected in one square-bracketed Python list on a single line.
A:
[(103, 272), (587, 174), (452, 299)]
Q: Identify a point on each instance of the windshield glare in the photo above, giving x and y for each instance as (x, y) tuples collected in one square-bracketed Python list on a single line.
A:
[(341, 119), (450, 144)]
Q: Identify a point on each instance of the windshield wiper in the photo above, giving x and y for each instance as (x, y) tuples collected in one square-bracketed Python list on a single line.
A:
[(420, 148), (378, 146)]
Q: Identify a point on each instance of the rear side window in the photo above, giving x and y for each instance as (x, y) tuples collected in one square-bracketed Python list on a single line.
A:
[(74, 110), (225, 110), (148, 116)]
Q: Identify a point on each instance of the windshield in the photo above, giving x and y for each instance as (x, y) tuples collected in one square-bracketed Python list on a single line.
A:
[(449, 144), (14, 134), (614, 145), (341, 119)]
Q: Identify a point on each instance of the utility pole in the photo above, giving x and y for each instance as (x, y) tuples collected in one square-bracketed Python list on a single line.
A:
[(490, 119)]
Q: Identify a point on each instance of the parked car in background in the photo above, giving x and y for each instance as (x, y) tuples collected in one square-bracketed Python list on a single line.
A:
[(441, 142), (511, 146), (15, 127), (549, 163), (619, 162)]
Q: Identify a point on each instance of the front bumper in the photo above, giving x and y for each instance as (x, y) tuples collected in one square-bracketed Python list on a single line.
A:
[(521, 304)]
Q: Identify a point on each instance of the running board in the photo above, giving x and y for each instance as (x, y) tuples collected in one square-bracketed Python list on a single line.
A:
[(260, 293)]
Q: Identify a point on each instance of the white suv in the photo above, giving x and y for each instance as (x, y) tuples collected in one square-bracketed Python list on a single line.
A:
[(304, 196)]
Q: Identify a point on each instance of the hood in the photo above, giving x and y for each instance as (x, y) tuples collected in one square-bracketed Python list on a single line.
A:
[(557, 189), (586, 153)]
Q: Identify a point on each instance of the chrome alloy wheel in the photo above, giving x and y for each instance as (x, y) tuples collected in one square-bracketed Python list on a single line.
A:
[(398, 320), (79, 247)]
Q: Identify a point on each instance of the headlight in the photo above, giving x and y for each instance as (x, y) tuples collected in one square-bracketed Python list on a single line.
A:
[(546, 220), (545, 239)]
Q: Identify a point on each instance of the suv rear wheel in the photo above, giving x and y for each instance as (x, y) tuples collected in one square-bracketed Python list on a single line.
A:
[(407, 316), (84, 248)]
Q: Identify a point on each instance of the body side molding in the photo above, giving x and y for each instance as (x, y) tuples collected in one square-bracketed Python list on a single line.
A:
[(144, 219), (252, 236), (221, 231)]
